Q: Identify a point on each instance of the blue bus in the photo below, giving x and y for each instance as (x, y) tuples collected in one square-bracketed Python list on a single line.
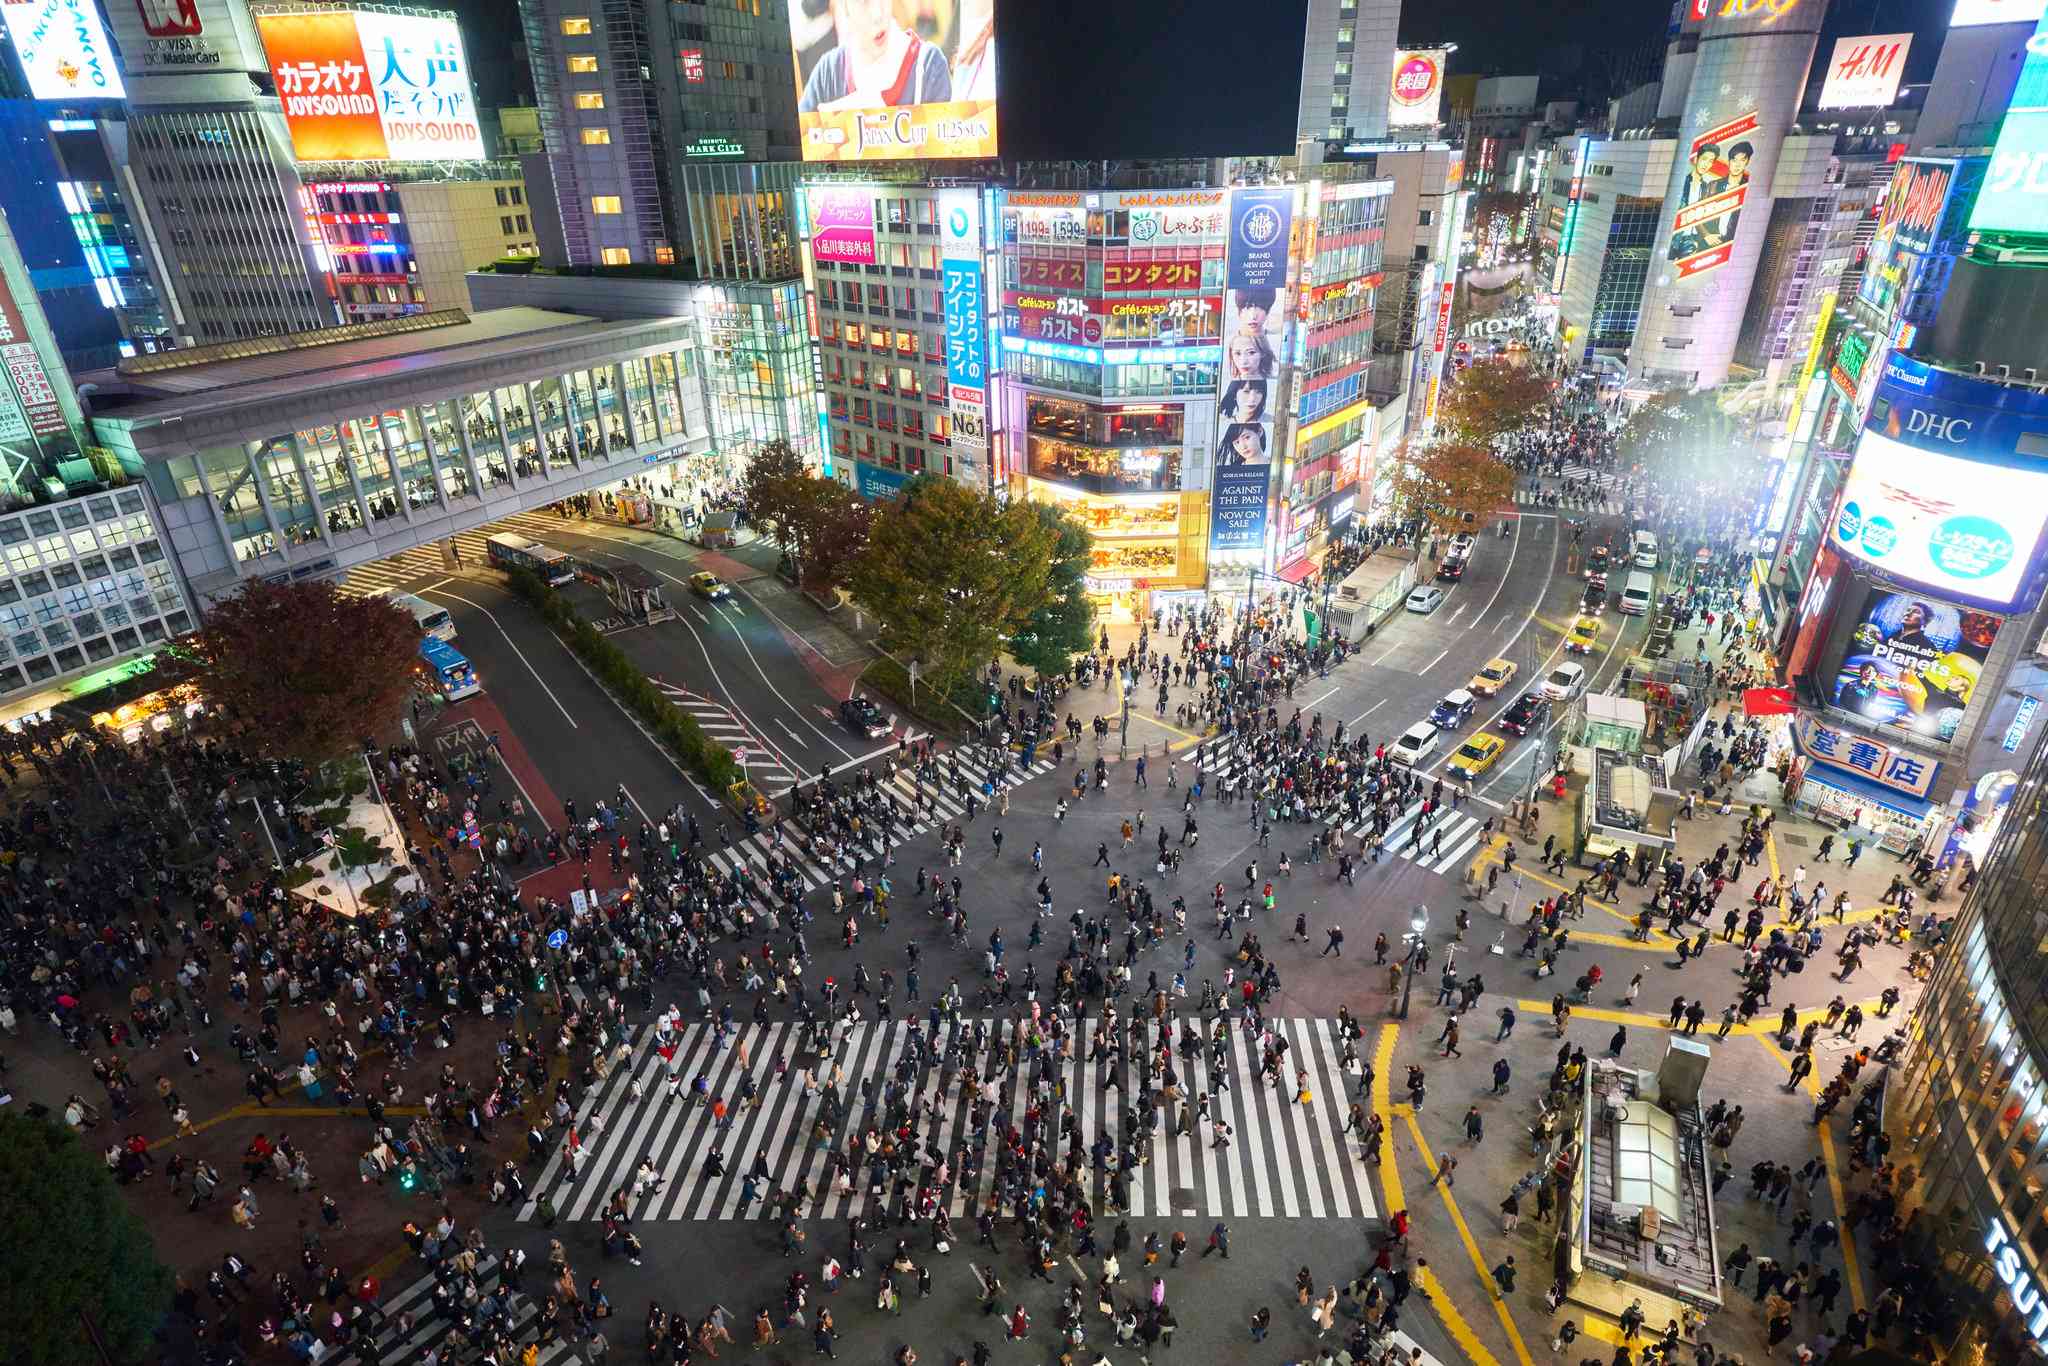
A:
[(452, 675), (507, 551)]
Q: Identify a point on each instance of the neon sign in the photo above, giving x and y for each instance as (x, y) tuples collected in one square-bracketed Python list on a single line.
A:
[(2027, 1300)]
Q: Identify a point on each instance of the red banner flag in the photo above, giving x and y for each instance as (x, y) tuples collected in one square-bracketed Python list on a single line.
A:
[(1767, 702)]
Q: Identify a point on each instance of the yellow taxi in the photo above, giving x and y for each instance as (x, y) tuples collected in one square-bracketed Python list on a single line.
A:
[(1477, 755), (1497, 674), (1583, 636)]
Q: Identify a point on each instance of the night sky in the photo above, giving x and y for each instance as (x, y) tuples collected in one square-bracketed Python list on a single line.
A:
[(1222, 77)]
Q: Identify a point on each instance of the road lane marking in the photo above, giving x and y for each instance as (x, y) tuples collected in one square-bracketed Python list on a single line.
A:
[(492, 618), (1369, 711), (1434, 662)]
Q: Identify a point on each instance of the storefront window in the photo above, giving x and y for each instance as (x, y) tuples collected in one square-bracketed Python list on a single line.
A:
[(1123, 427), (668, 403), (287, 494), (233, 487), (1102, 469)]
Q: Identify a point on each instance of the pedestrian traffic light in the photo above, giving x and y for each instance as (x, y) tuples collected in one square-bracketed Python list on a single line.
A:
[(407, 1178)]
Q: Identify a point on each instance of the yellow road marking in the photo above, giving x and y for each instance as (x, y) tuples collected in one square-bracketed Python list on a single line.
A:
[(250, 1109), (1382, 1066), (1457, 1326)]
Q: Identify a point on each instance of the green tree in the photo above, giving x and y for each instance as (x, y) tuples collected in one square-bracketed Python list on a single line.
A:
[(76, 1248), (951, 574), (830, 524), (306, 669), (1451, 486), (1489, 399), (1063, 625), (772, 487)]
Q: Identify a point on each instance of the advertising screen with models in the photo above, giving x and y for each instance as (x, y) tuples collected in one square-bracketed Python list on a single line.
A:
[(890, 80), (1911, 662)]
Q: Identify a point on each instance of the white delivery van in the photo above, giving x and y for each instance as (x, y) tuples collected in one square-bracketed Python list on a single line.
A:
[(1636, 594)]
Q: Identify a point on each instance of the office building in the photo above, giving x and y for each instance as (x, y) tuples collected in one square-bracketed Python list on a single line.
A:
[(87, 581), (399, 245), (1347, 68), (630, 96), (211, 162)]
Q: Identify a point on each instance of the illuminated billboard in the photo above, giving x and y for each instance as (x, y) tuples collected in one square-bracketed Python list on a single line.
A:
[(1914, 203), (1418, 88), (891, 80), (63, 49), (2014, 196), (1710, 196), (183, 37), (1944, 522), (358, 85), (1865, 71), (1977, 13), (1909, 662), (1254, 341)]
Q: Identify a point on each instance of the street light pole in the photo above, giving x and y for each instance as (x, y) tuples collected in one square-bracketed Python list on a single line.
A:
[(1418, 921)]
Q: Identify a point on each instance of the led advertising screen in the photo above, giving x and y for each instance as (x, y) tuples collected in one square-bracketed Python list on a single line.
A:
[(1910, 662), (1949, 524), (2014, 196), (364, 86), (891, 80), (63, 49), (1976, 13), (1913, 205), (1865, 71), (1418, 88)]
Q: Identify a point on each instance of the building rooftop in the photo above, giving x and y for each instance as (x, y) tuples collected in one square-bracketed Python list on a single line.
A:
[(203, 380)]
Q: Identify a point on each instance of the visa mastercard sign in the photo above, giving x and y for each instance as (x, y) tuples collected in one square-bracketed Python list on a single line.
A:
[(363, 86)]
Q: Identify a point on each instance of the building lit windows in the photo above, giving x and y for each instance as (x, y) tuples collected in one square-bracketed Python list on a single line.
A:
[(605, 203), (597, 137), (618, 256), (590, 99), (575, 25), (582, 62)]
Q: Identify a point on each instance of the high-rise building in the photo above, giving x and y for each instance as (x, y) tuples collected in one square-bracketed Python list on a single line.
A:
[(402, 245), (211, 162), (631, 94), (1735, 115), (1347, 69), (88, 582)]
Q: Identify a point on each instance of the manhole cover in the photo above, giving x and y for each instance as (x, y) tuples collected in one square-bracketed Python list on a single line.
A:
[(1800, 841)]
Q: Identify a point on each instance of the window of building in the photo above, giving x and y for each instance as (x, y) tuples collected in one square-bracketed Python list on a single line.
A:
[(618, 256), (597, 137), (583, 62), (575, 25), (605, 203), (505, 224), (501, 196), (590, 99), (520, 220)]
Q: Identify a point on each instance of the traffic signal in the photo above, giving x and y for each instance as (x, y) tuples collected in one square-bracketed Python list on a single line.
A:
[(407, 1178)]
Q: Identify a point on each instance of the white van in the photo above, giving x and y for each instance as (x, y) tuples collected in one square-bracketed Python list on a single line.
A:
[(1637, 593), (1645, 556)]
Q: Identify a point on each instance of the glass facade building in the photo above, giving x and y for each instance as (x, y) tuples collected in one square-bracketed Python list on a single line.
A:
[(1624, 267), (757, 368), (1968, 1109), (304, 462)]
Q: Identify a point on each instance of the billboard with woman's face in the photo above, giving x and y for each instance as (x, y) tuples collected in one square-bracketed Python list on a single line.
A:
[(891, 80)]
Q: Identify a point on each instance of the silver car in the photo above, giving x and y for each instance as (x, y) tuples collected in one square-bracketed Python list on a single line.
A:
[(1426, 599)]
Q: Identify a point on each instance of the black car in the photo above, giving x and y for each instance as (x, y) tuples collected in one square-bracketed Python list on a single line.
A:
[(1529, 711), (1596, 563), (863, 717), (1595, 600), (1452, 569)]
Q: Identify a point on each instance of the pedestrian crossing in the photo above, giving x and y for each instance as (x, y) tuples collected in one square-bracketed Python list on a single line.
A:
[(911, 809), (765, 766), (423, 561), (430, 1329), (1438, 845), (1607, 486), (1283, 1159)]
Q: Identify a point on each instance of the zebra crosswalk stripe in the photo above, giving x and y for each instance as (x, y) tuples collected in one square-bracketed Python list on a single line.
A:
[(1284, 1159)]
